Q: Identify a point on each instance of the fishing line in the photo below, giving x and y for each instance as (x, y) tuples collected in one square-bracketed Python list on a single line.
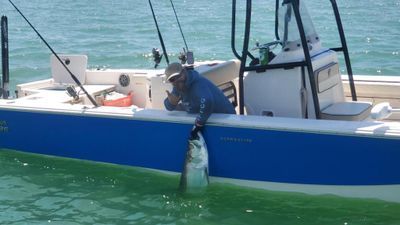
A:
[(179, 25), (55, 54), (159, 33)]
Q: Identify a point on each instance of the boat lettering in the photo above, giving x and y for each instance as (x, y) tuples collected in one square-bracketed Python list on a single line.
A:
[(235, 139), (3, 126)]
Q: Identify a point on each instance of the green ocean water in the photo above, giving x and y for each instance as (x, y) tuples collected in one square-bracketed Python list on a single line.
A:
[(120, 34), (45, 190)]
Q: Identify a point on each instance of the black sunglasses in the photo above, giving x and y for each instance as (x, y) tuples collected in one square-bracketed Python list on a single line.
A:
[(175, 78)]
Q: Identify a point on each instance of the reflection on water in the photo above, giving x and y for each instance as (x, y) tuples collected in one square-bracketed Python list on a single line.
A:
[(38, 189)]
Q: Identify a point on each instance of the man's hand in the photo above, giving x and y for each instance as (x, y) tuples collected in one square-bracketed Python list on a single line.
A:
[(194, 133), (173, 99)]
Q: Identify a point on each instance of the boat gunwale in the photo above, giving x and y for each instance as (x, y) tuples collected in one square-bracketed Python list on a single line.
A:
[(368, 129)]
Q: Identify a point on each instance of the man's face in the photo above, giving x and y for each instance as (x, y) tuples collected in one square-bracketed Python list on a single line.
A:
[(179, 82)]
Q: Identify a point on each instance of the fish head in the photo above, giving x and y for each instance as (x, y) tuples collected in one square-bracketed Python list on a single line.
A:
[(198, 155)]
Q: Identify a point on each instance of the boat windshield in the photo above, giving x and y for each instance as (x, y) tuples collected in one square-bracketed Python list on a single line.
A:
[(288, 30)]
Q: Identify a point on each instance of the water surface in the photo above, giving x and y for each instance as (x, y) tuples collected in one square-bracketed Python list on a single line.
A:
[(36, 189)]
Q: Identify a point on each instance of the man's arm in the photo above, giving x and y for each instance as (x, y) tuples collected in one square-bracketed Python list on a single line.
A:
[(206, 106)]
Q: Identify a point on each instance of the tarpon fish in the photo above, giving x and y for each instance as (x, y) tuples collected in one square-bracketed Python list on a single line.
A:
[(195, 171)]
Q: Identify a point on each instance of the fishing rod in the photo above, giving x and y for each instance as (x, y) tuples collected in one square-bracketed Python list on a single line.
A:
[(55, 54), (186, 55), (179, 25), (159, 34)]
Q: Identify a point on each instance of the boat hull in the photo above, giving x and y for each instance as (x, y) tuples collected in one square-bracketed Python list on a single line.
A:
[(281, 156)]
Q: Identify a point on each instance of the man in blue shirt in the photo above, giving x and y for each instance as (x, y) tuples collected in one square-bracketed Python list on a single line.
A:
[(194, 94)]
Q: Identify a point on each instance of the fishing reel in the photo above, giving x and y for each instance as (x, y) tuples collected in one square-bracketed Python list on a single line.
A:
[(186, 57), (182, 57), (71, 91), (157, 56)]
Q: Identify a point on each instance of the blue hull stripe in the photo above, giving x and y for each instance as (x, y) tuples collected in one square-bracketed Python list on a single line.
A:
[(238, 153)]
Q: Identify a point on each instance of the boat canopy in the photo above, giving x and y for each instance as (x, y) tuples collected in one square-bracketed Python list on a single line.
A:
[(288, 28)]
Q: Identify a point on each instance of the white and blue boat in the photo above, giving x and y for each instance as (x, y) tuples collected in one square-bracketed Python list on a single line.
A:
[(301, 126)]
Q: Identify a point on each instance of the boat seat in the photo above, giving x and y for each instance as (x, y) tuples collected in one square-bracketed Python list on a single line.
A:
[(350, 111), (229, 91), (331, 97)]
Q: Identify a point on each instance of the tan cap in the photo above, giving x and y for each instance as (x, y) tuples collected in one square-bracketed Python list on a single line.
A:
[(173, 70)]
